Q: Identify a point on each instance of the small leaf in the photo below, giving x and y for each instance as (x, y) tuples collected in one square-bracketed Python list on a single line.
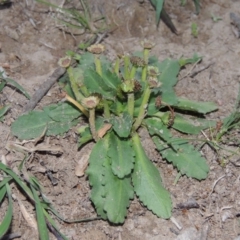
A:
[(200, 107), (122, 125), (184, 61), (118, 195), (95, 173), (121, 155), (187, 160), (147, 183)]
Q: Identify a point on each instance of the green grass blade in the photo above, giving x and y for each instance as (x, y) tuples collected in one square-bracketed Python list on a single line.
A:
[(41, 222), (3, 191), (2, 85), (13, 83), (4, 181), (24, 187), (51, 221), (8, 217), (3, 110)]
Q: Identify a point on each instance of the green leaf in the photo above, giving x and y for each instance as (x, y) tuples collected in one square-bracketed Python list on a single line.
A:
[(62, 112), (186, 126), (3, 110), (13, 83), (122, 125), (118, 195), (158, 4), (184, 61), (121, 155), (200, 107), (3, 182), (2, 85), (197, 6), (41, 222), (95, 173), (6, 223), (96, 84), (30, 125), (187, 160), (147, 183), (169, 70), (16, 178), (157, 127), (168, 96), (111, 79)]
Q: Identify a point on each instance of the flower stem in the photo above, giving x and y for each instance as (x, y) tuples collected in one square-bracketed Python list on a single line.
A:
[(78, 105), (126, 68), (143, 107), (130, 104), (145, 58), (92, 124), (106, 109)]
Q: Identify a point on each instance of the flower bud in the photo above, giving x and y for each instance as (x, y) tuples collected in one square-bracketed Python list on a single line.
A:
[(91, 102), (64, 62), (96, 49)]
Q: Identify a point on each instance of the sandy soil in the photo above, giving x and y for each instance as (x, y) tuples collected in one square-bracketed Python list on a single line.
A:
[(31, 45)]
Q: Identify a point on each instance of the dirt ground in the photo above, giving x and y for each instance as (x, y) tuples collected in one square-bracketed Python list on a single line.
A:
[(31, 44)]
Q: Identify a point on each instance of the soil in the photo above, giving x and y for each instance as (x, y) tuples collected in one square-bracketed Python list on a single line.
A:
[(32, 42)]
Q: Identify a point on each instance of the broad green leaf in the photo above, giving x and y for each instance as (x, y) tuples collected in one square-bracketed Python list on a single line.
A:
[(85, 135), (62, 112), (3, 110), (147, 183), (41, 222), (187, 160), (96, 84), (122, 125), (169, 70), (186, 126), (111, 79), (200, 107), (121, 155), (157, 127), (95, 172), (6, 223), (33, 124), (118, 195), (30, 125), (13, 83), (168, 96)]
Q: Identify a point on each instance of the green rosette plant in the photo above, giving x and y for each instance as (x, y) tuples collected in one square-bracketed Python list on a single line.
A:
[(117, 99)]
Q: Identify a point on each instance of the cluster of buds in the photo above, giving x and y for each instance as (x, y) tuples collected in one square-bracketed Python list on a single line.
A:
[(137, 61)]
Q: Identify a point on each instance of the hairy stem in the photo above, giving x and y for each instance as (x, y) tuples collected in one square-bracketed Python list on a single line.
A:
[(143, 107), (92, 124), (78, 105), (130, 104)]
